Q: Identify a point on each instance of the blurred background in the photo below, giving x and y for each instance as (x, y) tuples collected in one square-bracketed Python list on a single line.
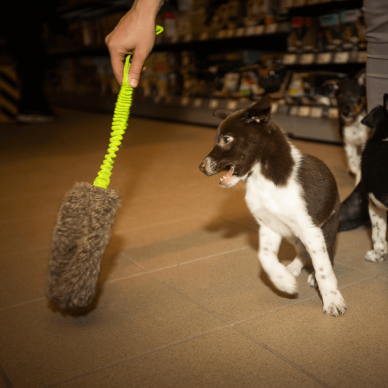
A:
[(212, 54)]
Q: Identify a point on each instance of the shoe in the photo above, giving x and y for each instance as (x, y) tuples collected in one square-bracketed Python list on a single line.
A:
[(354, 210)]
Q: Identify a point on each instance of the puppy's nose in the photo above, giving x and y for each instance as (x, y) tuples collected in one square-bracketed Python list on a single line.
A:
[(203, 164)]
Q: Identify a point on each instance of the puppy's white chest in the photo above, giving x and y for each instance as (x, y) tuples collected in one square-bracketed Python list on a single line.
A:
[(273, 206)]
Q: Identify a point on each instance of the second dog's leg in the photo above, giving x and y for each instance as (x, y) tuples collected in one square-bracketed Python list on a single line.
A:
[(378, 218), (354, 161), (301, 256), (268, 256)]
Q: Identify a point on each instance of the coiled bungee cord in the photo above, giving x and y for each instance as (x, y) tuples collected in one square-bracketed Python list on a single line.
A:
[(119, 125)]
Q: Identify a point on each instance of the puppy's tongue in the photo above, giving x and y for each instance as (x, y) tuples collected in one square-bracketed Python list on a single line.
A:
[(226, 178)]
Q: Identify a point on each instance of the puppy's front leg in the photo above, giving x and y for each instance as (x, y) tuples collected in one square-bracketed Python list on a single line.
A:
[(268, 256), (333, 302), (378, 218)]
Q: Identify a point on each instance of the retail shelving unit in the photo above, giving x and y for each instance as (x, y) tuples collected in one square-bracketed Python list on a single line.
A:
[(299, 121)]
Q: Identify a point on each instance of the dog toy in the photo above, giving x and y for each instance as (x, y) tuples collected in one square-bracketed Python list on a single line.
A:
[(83, 226)]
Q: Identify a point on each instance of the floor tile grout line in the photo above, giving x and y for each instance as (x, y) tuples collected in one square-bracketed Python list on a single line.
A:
[(151, 225), (354, 269), (186, 262), (302, 301), (22, 304), (145, 271), (5, 377), (186, 296), (282, 357), (224, 320), (23, 252), (138, 356)]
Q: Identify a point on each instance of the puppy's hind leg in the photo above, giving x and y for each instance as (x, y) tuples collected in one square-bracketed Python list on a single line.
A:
[(301, 256), (378, 217), (268, 256), (320, 244)]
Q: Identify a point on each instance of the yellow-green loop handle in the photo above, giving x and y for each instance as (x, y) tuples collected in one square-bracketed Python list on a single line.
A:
[(119, 125)]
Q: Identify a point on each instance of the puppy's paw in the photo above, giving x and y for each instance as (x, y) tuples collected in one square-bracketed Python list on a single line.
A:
[(312, 282), (333, 303), (284, 281), (376, 256), (295, 267)]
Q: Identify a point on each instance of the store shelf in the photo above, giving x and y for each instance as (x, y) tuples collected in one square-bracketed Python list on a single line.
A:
[(320, 7), (328, 58), (311, 123), (239, 38)]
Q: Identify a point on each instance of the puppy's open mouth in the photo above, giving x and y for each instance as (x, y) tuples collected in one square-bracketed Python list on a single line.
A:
[(228, 176)]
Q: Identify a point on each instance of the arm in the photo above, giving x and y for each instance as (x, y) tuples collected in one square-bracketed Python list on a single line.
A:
[(135, 34)]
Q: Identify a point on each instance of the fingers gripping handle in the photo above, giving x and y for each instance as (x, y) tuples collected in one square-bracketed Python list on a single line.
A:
[(119, 125)]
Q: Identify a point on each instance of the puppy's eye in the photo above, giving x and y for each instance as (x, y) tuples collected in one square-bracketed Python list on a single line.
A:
[(226, 139)]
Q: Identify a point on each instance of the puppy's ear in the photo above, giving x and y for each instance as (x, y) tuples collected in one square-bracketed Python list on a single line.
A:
[(361, 80), (259, 112), (370, 120), (221, 113), (331, 85)]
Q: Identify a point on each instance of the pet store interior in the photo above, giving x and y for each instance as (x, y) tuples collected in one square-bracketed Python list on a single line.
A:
[(177, 295)]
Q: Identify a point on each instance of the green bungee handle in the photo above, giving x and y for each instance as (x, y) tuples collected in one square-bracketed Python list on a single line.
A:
[(119, 125)]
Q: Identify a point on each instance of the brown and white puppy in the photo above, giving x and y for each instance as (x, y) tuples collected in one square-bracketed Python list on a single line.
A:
[(351, 99), (290, 194)]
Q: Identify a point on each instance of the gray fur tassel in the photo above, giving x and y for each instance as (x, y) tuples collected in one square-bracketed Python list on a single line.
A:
[(81, 233)]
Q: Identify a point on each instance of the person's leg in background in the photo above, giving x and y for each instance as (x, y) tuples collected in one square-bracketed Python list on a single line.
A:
[(354, 210)]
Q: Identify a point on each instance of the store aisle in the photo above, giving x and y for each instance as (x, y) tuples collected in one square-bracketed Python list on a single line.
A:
[(182, 299)]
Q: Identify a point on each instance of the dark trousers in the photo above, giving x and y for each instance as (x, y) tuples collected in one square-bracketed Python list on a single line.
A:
[(376, 16)]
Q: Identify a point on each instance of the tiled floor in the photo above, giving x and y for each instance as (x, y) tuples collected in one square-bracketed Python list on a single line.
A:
[(182, 300)]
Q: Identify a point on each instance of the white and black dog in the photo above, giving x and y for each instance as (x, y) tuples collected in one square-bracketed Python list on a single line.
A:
[(374, 167), (351, 99), (290, 194)]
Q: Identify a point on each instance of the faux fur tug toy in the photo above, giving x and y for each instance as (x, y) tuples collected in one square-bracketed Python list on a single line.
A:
[(83, 226)]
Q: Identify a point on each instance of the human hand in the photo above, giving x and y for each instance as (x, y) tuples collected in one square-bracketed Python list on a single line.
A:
[(134, 34)]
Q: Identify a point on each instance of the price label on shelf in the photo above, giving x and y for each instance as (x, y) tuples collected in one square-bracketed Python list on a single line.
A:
[(232, 105), (341, 57), (361, 57), (185, 101), (316, 112), (204, 36), (250, 30), (188, 37), (230, 33), (221, 34), (240, 31), (294, 111), (289, 59), (333, 113), (259, 30), (271, 28), (213, 104), (197, 102), (174, 39), (307, 59), (304, 111), (324, 58)]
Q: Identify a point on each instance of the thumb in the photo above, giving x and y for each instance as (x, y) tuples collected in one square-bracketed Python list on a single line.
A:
[(136, 68)]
